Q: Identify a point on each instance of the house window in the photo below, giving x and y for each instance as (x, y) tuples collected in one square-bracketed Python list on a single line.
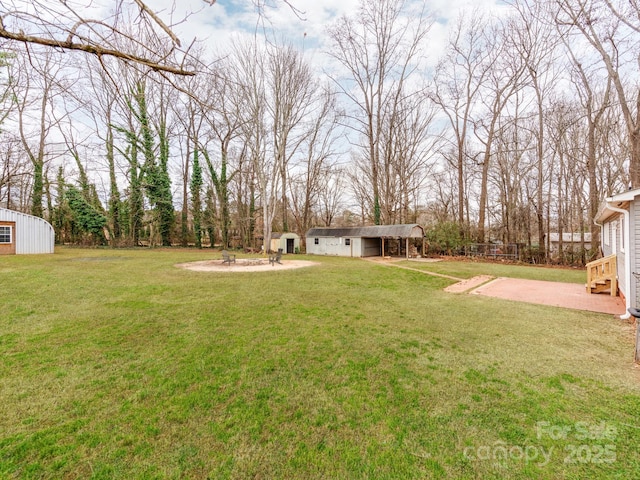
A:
[(606, 234), (316, 241), (5, 234), (347, 241)]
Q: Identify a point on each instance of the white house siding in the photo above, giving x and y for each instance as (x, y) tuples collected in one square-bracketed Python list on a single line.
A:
[(612, 243), (607, 237), (620, 255), (32, 234), (634, 249)]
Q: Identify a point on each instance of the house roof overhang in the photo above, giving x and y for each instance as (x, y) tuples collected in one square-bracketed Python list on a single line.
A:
[(621, 200)]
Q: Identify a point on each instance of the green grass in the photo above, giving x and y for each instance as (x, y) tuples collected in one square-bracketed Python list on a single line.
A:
[(470, 268), (116, 364)]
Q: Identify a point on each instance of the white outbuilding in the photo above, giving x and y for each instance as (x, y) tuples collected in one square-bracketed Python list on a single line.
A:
[(289, 242), (21, 233), (373, 241)]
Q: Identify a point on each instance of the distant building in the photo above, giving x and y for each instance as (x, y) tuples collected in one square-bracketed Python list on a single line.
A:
[(21, 234), (288, 242), (569, 241), (373, 241)]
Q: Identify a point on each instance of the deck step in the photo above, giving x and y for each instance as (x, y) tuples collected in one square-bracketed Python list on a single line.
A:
[(599, 286)]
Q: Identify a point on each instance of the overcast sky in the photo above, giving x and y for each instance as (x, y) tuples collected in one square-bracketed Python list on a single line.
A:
[(216, 24)]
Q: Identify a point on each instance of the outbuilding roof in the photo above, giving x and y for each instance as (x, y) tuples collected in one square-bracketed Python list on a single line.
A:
[(412, 230), (278, 235)]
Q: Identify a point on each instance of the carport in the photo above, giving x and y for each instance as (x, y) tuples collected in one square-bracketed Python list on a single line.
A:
[(370, 241)]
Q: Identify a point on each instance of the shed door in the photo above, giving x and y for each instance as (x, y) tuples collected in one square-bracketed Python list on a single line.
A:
[(290, 245), (7, 238)]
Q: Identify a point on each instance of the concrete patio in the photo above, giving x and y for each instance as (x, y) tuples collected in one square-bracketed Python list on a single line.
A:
[(567, 295)]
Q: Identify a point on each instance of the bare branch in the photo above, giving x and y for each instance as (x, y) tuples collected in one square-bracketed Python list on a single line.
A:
[(92, 49), (160, 23)]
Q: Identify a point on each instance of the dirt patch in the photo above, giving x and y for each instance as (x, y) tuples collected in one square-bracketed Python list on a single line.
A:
[(245, 265)]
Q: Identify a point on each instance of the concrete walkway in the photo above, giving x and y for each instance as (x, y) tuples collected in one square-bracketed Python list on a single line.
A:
[(567, 295), (468, 284)]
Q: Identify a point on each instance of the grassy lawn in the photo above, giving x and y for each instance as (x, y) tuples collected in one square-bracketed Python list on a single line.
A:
[(116, 364), (471, 268)]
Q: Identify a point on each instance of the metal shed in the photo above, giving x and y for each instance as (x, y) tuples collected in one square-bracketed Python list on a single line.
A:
[(361, 241), (288, 242), (21, 233)]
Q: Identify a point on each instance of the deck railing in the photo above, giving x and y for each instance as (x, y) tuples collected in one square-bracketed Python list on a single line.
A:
[(602, 274)]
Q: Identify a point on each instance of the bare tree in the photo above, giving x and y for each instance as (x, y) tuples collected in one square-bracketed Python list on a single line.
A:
[(502, 80), (189, 114), (64, 25), (223, 101), (535, 41), (291, 91), (594, 95), (250, 75), (87, 28), (380, 49), (314, 171), (409, 146), (331, 198), (35, 100), (458, 78), (611, 28)]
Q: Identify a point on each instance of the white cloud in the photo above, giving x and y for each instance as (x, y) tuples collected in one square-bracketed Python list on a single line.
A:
[(216, 25)]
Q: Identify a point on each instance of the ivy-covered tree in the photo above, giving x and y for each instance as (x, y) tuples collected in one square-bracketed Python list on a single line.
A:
[(114, 194), (164, 200), (196, 199), (62, 218), (132, 210), (89, 221), (221, 183), (155, 175), (209, 215)]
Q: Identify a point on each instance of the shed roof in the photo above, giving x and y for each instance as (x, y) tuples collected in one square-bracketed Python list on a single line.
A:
[(412, 230), (277, 235)]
